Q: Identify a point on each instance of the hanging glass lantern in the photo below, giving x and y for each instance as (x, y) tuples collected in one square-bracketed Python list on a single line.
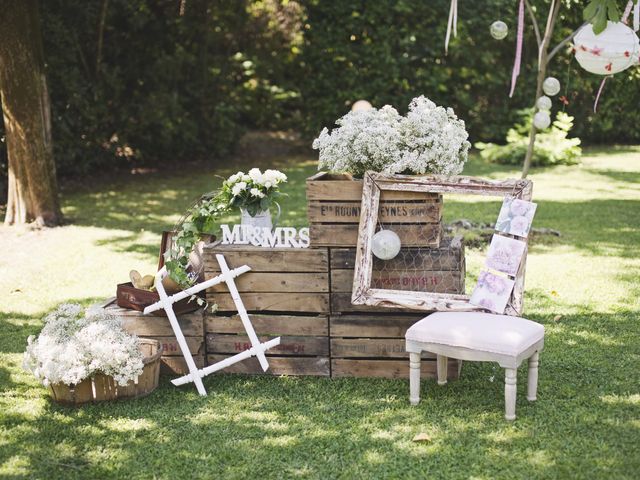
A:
[(499, 30)]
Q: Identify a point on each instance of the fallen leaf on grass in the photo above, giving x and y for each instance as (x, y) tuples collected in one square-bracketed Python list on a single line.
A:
[(422, 437), (557, 318)]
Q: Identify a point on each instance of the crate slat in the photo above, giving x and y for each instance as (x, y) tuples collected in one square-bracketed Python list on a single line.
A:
[(413, 280), (371, 348), (297, 346), (313, 366), (339, 235), (267, 259), (259, 282), (317, 325), (342, 367), (178, 365), (415, 211), (372, 326), (170, 346), (274, 302)]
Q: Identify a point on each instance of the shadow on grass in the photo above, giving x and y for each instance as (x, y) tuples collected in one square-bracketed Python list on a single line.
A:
[(321, 428)]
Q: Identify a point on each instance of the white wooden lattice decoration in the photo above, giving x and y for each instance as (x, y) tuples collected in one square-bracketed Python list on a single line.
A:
[(166, 302)]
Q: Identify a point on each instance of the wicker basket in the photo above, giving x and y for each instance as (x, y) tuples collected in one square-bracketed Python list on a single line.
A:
[(102, 387)]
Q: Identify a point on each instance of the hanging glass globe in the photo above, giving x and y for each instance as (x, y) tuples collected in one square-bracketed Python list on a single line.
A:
[(551, 86), (542, 120), (543, 103), (385, 244), (499, 30)]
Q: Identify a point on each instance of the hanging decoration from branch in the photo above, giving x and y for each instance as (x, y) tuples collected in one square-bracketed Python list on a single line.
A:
[(519, 40), (612, 51), (452, 24)]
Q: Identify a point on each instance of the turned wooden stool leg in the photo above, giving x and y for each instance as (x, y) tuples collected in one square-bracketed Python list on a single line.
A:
[(532, 380), (441, 366), (414, 378), (510, 393)]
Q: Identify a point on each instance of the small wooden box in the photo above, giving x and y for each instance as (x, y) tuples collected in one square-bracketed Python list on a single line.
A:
[(333, 210), (159, 328)]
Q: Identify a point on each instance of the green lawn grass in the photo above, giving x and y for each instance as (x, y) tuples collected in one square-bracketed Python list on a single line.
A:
[(584, 287)]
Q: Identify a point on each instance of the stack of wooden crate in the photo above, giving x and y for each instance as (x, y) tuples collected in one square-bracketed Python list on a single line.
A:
[(368, 341), (287, 294), (157, 327), (304, 295)]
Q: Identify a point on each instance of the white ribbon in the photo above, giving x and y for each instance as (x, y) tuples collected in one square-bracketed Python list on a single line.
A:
[(636, 17), (452, 24)]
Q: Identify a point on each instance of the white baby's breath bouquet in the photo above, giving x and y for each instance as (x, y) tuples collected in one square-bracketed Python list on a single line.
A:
[(429, 139), (73, 346)]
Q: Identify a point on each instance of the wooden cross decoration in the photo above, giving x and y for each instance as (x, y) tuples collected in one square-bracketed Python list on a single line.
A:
[(166, 302)]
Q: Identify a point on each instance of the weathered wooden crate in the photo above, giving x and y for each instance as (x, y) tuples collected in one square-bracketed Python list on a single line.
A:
[(159, 328), (287, 295), (303, 350), (373, 345), (369, 341), (281, 280), (438, 270), (333, 209)]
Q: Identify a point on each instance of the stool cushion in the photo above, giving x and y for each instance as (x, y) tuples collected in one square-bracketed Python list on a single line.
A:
[(477, 331)]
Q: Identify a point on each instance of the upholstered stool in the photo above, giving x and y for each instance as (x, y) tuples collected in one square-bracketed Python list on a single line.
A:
[(481, 337)]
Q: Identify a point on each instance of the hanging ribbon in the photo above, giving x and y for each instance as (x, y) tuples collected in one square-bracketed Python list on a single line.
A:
[(518, 59), (595, 104), (627, 10), (636, 14), (452, 24)]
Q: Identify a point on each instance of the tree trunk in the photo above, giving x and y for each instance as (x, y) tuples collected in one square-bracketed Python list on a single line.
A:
[(33, 190)]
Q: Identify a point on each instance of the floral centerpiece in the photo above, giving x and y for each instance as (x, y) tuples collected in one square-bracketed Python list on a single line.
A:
[(253, 193), (429, 139), (74, 346)]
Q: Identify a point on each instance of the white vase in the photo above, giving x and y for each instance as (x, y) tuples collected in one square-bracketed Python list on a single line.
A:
[(261, 219)]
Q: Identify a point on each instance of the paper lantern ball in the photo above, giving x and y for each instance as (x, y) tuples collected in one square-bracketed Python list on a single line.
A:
[(543, 103), (613, 50), (385, 244), (361, 106), (551, 86), (499, 30), (541, 120)]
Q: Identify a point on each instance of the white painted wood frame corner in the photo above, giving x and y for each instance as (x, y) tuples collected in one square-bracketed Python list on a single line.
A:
[(374, 183), (166, 302)]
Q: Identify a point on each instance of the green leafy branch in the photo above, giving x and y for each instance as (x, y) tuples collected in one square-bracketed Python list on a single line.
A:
[(599, 11)]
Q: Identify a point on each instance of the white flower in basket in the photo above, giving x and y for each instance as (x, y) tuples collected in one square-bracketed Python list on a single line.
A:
[(73, 346)]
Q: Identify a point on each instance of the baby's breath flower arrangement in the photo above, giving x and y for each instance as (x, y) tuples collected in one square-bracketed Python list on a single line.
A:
[(73, 346), (429, 139)]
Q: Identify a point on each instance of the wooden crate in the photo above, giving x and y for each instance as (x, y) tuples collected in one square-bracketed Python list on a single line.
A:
[(159, 328), (303, 350), (373, 345), (281, 280), (287, 295), (333, 209), (436, 270)]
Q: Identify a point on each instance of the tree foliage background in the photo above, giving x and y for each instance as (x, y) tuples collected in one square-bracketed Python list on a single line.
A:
[(164, 88)]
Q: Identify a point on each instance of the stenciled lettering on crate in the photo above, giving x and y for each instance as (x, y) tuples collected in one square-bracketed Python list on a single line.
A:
[(334, 207)]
